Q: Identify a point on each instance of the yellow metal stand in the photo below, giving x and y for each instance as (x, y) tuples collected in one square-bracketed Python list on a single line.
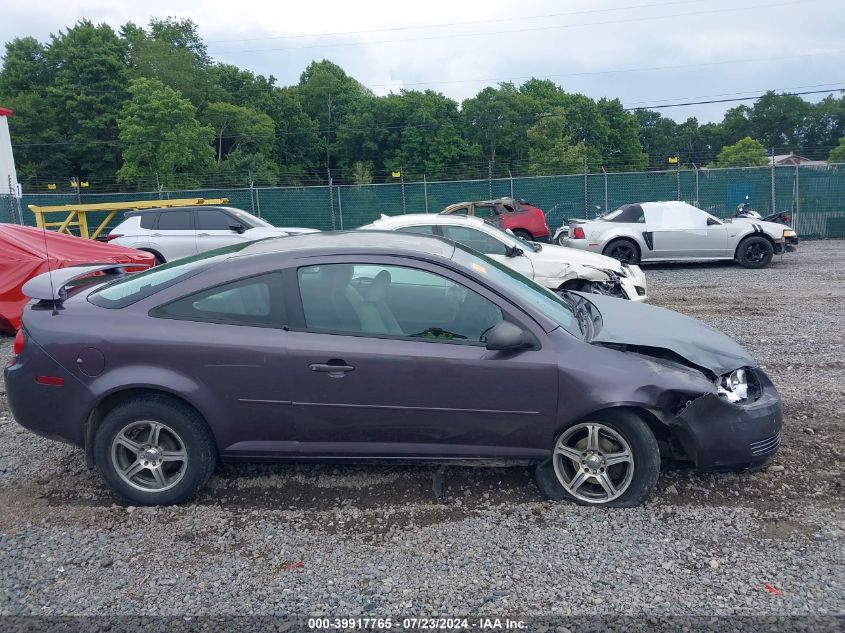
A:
[(77, 214)]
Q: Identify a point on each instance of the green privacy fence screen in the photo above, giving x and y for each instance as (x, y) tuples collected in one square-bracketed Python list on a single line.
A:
[(814, 195)]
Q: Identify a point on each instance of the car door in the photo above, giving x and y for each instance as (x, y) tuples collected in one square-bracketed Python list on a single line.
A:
[(363, 387), (231, 339), (681, 231), (490, 245), (175, 233), (214, 229)]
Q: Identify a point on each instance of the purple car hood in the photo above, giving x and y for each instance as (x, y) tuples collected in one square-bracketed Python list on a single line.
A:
[(629, 323)]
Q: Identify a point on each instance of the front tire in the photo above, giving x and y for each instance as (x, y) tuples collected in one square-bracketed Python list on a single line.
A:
[(754, 252), (154, 450), (624, 250), (611, 459)]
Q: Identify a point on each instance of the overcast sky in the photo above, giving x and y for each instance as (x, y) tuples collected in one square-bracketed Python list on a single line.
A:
[(645, 52)]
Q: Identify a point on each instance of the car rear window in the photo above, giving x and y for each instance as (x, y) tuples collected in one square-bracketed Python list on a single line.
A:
[(149, 220), (132, 288)]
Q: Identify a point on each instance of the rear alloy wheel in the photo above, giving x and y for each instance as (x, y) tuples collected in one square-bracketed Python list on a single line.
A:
[(623, 250), (154, 451), (755, 252), (613, 460)]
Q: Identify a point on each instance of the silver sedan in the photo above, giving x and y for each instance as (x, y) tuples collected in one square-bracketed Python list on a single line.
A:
[(667, 231)]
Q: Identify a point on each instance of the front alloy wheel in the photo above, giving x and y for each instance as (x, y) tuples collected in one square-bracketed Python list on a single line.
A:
[(593, 462), (612, 459)]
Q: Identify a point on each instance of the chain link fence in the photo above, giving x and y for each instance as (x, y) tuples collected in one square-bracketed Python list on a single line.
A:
[(813, 195)]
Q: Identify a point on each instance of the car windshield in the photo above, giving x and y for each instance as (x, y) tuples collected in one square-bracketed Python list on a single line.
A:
[(249, 219), (565, 313), (131, 288)]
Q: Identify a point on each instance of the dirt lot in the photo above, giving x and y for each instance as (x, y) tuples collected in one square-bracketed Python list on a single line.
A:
[(295, 539)]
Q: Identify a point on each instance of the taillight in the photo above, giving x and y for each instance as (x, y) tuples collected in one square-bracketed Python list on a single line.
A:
[(113, 236), (17, 347), (578, 233), (787, 218)]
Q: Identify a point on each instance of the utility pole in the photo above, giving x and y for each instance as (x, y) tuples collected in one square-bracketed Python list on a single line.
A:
[(510, 177), (586, 203), (328, 159), (402, 181), (490, 179), (606, 205), (774, 194), (425, 192), (678, 176)]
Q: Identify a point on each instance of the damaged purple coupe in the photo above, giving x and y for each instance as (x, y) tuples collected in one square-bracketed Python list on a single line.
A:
[(377, 346)]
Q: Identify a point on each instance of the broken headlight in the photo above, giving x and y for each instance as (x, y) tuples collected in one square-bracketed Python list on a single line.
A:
[(733, 387)]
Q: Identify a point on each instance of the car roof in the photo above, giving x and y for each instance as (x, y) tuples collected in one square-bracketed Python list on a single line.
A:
[(138, 212), (349, 243), (426, 218)]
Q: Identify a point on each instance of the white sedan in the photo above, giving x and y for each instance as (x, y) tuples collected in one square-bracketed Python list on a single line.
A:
[(554, 267), (171, 233)]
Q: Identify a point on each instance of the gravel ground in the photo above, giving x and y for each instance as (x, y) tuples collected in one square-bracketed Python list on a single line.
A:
[(296, 539)]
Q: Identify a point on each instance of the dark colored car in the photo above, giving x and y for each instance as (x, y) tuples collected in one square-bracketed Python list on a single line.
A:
[(378, 345)]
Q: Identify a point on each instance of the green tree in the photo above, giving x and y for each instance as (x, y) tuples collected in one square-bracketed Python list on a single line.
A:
[(824, 126), (744, 153), (551, 150), (778, 120), (23, 80), (837, 154), (493, 121), (239, 128), (362, 173), (86, 89), (162, 138)]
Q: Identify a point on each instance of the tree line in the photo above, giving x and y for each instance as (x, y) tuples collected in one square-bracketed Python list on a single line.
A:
[(147, 106)]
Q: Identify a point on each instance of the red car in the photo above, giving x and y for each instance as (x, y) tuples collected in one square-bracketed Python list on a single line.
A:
[(523, 219), (24, 255)]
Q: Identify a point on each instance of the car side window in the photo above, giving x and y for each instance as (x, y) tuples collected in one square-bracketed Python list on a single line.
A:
[(176, 221), (393, 301), (426, 229), (214, 220), (251, 301), (479, 240), (486, 212), (149, 220)]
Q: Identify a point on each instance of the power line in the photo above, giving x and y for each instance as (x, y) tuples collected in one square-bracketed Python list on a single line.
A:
[(690, 103)]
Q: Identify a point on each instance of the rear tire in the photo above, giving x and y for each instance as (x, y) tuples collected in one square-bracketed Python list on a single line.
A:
[(524, 235), (619, 470), (154, 450), (754, 252), (624, 250)]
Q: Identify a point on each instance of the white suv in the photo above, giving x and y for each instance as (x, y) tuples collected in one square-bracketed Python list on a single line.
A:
[(554, 267), (171, 233)]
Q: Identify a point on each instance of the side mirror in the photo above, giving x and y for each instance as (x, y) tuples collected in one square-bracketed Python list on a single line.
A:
[(236, 228), (506, 336), (514, 251)]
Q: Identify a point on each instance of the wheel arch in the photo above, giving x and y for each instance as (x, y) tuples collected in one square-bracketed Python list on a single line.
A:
[(762, 234), (113, 399), (154, 252), (626, 237), (662, 432)]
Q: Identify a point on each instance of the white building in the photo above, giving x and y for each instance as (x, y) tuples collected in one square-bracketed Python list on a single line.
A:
[(8, 177)]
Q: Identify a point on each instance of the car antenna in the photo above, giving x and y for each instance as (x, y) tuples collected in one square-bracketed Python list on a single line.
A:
[(49, 271)]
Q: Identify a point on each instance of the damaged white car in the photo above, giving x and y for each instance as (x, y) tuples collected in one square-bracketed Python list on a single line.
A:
[(554, 267)]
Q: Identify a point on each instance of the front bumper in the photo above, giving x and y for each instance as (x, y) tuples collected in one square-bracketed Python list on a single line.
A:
[(720, 436), (634, 284)]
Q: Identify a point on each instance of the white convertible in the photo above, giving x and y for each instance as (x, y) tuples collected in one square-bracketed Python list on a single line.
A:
[(554, 267)]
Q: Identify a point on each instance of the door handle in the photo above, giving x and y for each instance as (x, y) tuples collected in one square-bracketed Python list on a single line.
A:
[(156, 235), (333, 370), (202, 234)]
